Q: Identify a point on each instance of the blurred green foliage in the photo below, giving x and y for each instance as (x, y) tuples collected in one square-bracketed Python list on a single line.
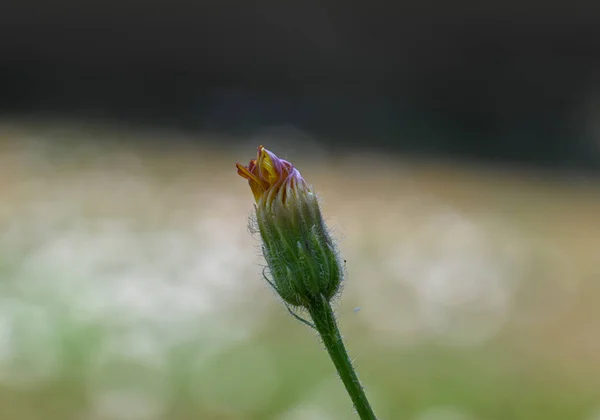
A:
[(131, 289)]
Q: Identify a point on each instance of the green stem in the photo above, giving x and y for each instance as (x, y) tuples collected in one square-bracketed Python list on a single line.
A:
[(324, 320)]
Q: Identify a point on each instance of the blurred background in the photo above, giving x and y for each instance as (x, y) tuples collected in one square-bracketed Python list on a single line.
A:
[(455, 148)]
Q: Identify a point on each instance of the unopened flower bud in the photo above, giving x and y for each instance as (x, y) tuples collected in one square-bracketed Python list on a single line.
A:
[(299, 251)]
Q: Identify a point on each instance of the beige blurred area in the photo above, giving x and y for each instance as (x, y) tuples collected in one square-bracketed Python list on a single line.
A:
[(131, 288)]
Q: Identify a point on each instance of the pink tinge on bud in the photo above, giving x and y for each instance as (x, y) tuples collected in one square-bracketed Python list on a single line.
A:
[(270, 176)]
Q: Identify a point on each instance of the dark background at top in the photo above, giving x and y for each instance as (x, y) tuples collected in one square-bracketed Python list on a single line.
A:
[(502, 80)]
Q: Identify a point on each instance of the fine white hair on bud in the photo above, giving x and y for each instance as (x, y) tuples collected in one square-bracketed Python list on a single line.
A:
[(301, 255)]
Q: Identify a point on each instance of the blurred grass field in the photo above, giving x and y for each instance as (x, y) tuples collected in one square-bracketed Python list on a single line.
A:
[(131, 288)]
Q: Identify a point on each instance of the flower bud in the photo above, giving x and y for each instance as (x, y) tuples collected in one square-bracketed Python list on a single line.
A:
[(299, 251)]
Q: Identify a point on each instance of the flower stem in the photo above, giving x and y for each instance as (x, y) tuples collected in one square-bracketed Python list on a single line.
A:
[(324, 320)]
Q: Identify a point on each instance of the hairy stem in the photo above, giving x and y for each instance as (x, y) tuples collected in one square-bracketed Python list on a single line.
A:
[(324, 321)]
